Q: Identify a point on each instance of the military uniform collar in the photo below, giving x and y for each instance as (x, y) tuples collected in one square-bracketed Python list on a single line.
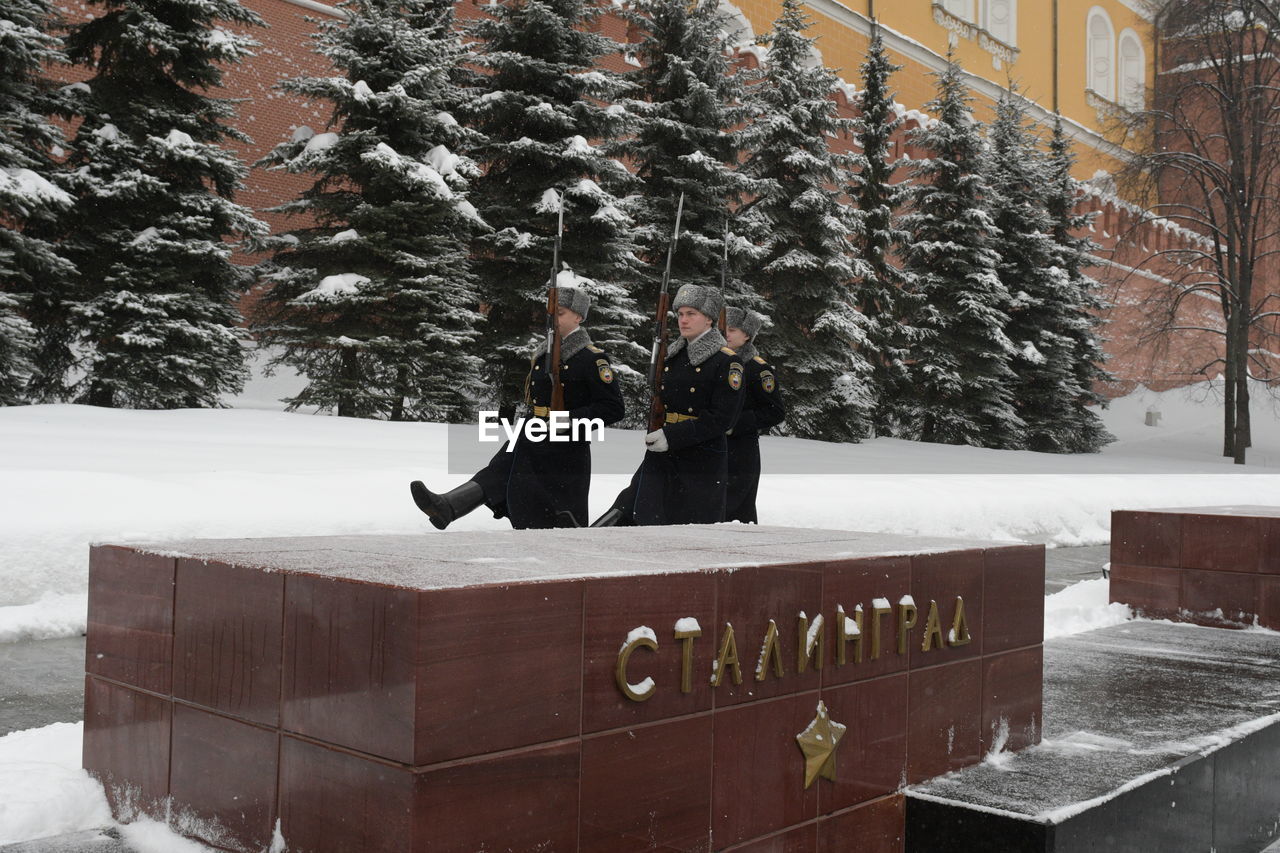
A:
[(572, 344), (701, 349), (746, 352)]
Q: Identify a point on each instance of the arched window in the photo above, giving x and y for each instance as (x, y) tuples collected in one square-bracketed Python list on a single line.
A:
[(1131, 93), (1001, 20), (1101, 73), (960, 8)]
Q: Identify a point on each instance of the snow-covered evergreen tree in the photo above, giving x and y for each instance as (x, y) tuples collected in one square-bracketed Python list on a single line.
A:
[(806, 266), (29, 202), (961, 378), (689, 108), (154, 308), (547, 112), (373, 299), (1080, 317), (882, 291)]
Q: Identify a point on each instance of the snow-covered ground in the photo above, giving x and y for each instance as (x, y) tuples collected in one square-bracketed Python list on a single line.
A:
[(73, 475)]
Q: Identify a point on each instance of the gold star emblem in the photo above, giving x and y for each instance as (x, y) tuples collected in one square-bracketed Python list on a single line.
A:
[(818, 742)]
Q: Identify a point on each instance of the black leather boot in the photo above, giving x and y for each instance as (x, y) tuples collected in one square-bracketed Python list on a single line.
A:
[(449, 507)]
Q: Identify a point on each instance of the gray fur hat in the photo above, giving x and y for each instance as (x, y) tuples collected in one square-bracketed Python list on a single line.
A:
[(700, 298), (744, 319), (577, 301)]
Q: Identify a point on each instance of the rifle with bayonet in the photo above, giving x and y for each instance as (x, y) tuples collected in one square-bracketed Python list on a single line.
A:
[(662, 332), (553, 329), (724, 281)]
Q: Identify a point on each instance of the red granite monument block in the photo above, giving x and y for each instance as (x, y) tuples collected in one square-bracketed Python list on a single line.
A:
[(871, 760), (1012, 698), (500, 668), (126, 743), (1223, 543), (1153, 590), (852, 583), (129, 636), (801, 839), (335, 801), (226, 639), (1012, 598), (613, 609), (944, 578), (521, 800), (1269, 546), (748, 598), (758, 785), (626, 806), (223, 772), (1146, 538), (874, 827), (349, 665), (944, 713), (1205, 594), (1269, 602)]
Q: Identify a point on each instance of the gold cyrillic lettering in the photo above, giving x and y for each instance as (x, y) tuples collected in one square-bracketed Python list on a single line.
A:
[(686, 639), (848, 631), (932, 629), (728, 657), (907, 616), (645, 689), (769, 649)]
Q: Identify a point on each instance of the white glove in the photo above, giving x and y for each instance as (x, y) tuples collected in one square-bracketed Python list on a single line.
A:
[(657, 441)]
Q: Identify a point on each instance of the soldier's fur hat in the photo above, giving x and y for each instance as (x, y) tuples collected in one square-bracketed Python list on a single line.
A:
[(577, 301), (700, 298), (744, 319)]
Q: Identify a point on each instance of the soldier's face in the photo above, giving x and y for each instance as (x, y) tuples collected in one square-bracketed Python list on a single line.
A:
[(736, 337), (566, 320), (692, 322)]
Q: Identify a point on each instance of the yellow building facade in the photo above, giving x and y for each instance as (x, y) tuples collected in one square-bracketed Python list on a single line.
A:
[(1083, 58)]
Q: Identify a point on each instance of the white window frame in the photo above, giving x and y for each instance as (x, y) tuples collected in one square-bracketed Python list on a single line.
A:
[(1009, 37), (1103, 82), (962, 9), (1131, 79)]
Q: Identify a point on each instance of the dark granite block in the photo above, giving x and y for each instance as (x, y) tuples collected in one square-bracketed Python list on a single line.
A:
[(875, 827), (126, 744), (802, 839), (758, 785), (1223, 543), (522, 800), (1153, 591), (1205, 593), (871, 759), (615, 606), (932, 827), (499, 668), (1146, 538), (349, 665), (748, 599), (1246, 793), (1012, 696), (130, 623), (848, 584), (944, 714), (648, 787), (226, 639), (1012, 598), (333, 801), (944, 578), (224, 772)]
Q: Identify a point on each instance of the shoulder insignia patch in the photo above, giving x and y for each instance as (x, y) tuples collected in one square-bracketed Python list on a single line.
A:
[(594, 348), (759, 360), (735, 376), (767, 382), (605, 371), (728, 351)]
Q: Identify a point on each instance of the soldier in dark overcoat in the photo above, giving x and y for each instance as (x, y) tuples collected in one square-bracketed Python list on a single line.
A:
[(541, 484), (762, 409), (685, 471)]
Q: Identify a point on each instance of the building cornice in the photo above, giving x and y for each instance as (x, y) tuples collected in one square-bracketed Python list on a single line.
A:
[(917, 52), (313, 6)]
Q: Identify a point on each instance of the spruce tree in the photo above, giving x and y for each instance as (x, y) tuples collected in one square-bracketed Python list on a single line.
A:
[(374, 299), (30, 267), (690, 107), (961, 376), (546, 110), (154, 306), (806, 266), (882, 292), (1080, 317)]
